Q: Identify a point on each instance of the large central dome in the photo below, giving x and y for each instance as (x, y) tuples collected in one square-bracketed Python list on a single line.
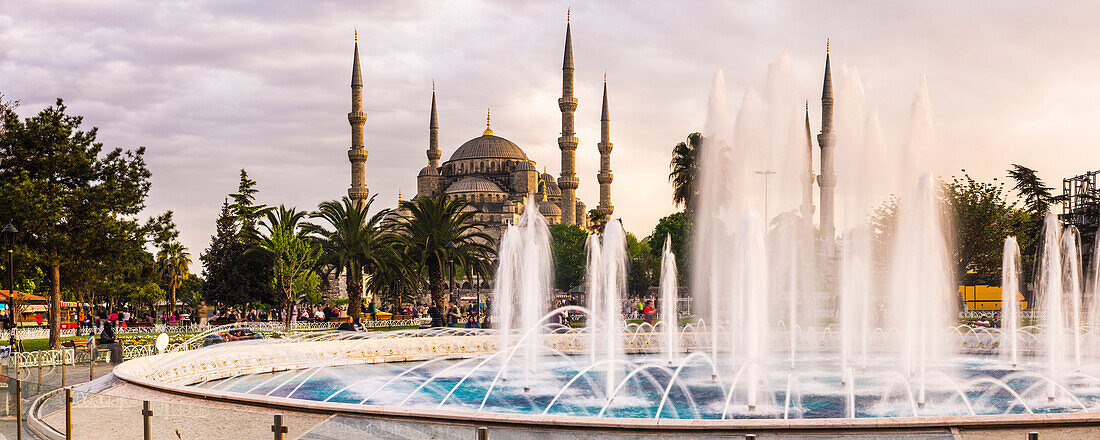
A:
[(489, 147)]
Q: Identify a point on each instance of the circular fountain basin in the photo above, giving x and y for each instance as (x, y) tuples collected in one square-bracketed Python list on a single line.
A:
[(461, 378)]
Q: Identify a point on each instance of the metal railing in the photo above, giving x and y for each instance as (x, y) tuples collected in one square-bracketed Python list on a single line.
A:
[(43, 333)]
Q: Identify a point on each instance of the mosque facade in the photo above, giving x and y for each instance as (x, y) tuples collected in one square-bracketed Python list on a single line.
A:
[(494, 174)]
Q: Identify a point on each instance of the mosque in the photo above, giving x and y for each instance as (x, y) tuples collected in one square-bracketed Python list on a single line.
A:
[(492, 172)]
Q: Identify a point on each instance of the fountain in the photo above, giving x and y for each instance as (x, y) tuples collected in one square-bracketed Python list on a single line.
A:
[(786, 326)]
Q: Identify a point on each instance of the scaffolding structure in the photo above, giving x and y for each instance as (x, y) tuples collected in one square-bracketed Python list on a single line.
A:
[(1081, 204)]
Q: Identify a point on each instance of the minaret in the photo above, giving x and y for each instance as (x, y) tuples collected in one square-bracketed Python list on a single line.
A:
[(605, 177), (826, 140), (808, 178), (568, 181), (433, 136), (357, 155)]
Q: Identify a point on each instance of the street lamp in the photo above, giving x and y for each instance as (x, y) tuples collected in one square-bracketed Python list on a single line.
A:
[(451, 257), (765, 173), (9, 233)]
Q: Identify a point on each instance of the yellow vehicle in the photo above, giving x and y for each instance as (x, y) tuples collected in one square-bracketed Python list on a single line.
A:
[(983, 297)]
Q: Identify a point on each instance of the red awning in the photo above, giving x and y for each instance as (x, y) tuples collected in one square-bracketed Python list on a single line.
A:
[(22, 296)]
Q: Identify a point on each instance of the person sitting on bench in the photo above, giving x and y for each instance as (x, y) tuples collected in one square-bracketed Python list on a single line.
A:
[(108, 341)]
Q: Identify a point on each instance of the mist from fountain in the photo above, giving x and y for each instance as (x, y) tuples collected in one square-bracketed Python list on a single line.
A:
[(921, 288), (670, 313), (1092, 292), (1010, 306), (523, 282), (1051, 298), (605, 298), (1071, 250)]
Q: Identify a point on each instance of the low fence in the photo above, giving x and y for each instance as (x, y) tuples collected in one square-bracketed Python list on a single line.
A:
[(73, 356), (975, 314), (43, 333)]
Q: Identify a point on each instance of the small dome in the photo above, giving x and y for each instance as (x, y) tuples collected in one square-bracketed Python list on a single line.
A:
[(551, 186), (429, 171), (489, 147), (525, 166), (473, 184), (548, 209)]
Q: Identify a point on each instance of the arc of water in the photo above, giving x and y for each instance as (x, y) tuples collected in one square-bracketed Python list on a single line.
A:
[(736, 378), (316, 367), (958, 390), (537, 327), (636, 371), (391, 380), (578, 375), (907, 386), (1019, 399), (676, 374), (431, 379)]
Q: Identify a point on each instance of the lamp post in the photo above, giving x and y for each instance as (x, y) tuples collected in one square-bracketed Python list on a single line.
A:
[(451, 258), (9, 233), (766, 174)]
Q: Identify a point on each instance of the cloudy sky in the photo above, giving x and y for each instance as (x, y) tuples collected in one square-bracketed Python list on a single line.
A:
[(211, 87)]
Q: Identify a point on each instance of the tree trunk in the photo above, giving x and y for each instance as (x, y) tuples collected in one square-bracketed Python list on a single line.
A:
[(435, 283), (172, 299), (55, 306), (355, 296), (288, 314)]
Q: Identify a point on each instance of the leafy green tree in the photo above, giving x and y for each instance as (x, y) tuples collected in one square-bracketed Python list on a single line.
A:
[(353, 243), (222, 261), (58, 187), (677, 227), (640, 274), (246, 210), (431, 223), (982, 218), (234, 275), (1037, 199), (146, 296), (190, 291), (684, 171), (597, 220), (161, 230), (567, 248), (293, 257)]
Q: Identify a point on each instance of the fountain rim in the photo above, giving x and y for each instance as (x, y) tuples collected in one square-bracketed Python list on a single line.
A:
[(565, 422)]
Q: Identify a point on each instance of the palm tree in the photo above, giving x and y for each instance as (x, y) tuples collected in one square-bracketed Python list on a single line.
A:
[(292, 254), (683, 170), (430, 225), (353, 243), (174, 267), (396, 279)]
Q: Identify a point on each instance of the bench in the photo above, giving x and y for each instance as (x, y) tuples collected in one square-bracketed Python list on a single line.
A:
[(81, 346)]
